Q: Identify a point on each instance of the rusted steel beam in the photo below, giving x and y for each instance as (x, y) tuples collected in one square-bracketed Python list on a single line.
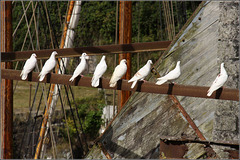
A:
[(192, 124), (175, 147), (188, 118), (233, 154), (149, 87), (75, 52), (6, 114), (125, 37), (172, 150), (104, 151), (193, 140)]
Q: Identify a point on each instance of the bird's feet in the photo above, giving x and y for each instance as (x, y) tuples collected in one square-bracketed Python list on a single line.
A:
[(81, 75)]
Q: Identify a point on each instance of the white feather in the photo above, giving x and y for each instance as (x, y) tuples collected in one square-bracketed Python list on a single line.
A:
[(99, 71), (119, 71), (29, 66), (48, 66), (81, 67), (141, 74), (219, 81), (174, 74)]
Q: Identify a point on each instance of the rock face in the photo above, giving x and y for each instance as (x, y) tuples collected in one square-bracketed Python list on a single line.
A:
[(209, 39)]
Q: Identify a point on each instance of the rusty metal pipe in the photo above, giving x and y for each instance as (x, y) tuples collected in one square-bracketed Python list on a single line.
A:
[(105, 152), (125, 37), (188, 118), (233, 144), (6, 85), (76, 52), (149, 87)]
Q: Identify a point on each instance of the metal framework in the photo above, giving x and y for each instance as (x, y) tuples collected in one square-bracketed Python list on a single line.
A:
[(193, 140), (76, 52), (149, 87), (176, 147)]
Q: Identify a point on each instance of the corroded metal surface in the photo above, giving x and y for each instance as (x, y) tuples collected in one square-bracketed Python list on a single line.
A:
[(76, 52), (172, 150), (149, 87), (173, 147), (193, 140), (104, 151), (233, 154), (188, 118), (6, 85), (125, 37)]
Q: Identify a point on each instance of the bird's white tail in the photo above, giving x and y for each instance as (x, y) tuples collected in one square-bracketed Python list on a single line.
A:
[(133, 84), (24, 76), (113, 84), (209, 93), (130, 80), (95, 82), (72, 78), (41, 77), (161, 81), (21, 73)]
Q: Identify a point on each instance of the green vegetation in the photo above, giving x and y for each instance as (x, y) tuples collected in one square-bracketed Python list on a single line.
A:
[(90, 112), (97, 22)]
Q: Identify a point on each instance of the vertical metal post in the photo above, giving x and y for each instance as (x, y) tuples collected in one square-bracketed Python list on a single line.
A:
[(6, 85), (125, 37)]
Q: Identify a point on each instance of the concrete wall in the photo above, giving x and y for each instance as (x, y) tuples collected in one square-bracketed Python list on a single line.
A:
[(226, 126)]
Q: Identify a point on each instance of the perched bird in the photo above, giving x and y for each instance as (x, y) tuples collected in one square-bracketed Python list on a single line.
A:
[(219, 81), (119, 71), (81, 67), (48, 66), (174, 74), (141, 74), (28, 66), (99, 71)]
